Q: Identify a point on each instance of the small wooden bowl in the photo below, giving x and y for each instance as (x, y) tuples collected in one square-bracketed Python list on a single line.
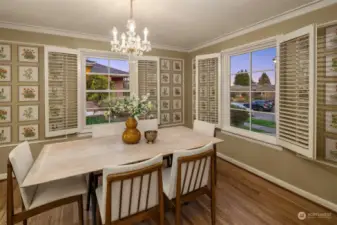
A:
[(150, 136)]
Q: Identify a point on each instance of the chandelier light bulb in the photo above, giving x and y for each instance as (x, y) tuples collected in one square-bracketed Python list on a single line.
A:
[(146, 32), (114, 32)]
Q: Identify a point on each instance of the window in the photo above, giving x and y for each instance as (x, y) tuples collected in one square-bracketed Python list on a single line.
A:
[(105, 81), (250, 81)]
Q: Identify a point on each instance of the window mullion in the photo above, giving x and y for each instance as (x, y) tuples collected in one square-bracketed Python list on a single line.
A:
[(250, 90)]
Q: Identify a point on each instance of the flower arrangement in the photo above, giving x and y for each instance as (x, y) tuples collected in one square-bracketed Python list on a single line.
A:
[(3, 114), (28, 132), (3, 73), (28, 93), (134, 106), (28, 53)]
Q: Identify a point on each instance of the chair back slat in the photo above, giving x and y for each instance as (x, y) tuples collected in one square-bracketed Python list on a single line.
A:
[(131, 189), (21, 160), (193, 168)]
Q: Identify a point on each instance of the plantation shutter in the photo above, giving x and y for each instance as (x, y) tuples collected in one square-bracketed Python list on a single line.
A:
[(61, 98), (194, 83), (207, 88), (296, 91), (148, 74)]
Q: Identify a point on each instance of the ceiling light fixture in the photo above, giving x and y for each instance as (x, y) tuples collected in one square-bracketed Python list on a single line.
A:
[(130, 42)]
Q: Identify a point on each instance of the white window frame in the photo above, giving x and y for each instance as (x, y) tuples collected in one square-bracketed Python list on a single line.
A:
[(226, 54), (87, 53)]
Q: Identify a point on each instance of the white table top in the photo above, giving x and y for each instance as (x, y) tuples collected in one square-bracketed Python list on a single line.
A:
[(66, 159)]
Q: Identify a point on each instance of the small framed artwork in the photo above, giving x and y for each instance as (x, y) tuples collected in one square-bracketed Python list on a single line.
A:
[(152, 91), (331, 65), (28, 112), (177, 78), (331, 122), (165, 91), (331, 149), (203, 92), (165, 104), (331, 37), (331, 93), (165, 64), (203, 78), (164, 118), (5, 135), (165, 78), (176, 104), (28, 54), (5, 73), (213, 107), (193, 65), (212, 91), (176, 91), (28, 132), (28, 93), (177, 117), (177, 66), (203, 106), (5, 114), (5, 52), (28, 74), (5, 93)]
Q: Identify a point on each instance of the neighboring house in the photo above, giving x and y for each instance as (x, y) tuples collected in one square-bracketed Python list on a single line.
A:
[(267, 92)]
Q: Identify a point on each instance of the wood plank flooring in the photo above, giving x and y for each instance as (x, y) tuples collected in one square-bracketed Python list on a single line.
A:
[(242, 199)]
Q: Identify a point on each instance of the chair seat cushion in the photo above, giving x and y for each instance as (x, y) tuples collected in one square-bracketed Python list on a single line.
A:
[(59, 189), (166, 182)]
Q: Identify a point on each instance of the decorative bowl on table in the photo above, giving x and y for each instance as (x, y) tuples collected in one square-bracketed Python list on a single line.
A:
[(150, 136)]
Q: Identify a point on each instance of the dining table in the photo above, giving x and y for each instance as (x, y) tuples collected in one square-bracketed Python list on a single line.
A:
[(72, 158)]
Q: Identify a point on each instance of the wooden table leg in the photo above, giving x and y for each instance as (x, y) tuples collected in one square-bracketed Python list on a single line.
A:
[(215, 165)]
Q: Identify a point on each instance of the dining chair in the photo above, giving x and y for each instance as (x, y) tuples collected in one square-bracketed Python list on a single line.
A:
[(39, 198), (98, 131), (207, 129), (144, 125), (131, 193), (188, 178)]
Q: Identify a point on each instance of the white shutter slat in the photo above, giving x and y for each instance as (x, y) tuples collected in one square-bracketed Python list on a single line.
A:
[(296, 91), (61, 108), (207, 88), (148, 83)]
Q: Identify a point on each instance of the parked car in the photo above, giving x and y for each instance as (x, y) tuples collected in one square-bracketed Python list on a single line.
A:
[(262, 105), (238, 105)]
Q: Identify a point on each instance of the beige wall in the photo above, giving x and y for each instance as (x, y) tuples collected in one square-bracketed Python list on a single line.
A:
[(46, 39), (284, 165)]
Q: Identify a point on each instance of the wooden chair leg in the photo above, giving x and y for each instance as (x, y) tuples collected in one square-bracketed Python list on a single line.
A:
[(24, 222), (215, 166), (80, 211), (10, 195), (98, 214), (90, 183), (178, 212), (94, 206), (213, 203)]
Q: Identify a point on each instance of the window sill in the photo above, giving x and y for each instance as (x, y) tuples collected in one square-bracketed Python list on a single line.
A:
[(261, 139)]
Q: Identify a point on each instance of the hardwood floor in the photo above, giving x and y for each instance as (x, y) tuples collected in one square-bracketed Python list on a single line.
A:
[(242, 199)]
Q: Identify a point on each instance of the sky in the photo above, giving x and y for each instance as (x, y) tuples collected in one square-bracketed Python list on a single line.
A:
[(117, 64), (261, 60)]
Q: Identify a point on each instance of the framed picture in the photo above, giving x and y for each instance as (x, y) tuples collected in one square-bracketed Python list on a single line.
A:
[(203, 78), (5, 114), (176, 91), (331, 37), (177, 117), (177, 78), (177, 66), (165, 78), (331, 122), (5, 73), (213, 106), (28, 93), (152, 91), (203, 106), (5, 52), (331, 65), (28, 74), (165, 104), (28, 54), (331, 94), (5, 93), (28, 132), (212, 91), (165, 91), (176, 104), (28, 112), (203, 92), (165, 64), (330, 149), (5, 135), (164, 118)]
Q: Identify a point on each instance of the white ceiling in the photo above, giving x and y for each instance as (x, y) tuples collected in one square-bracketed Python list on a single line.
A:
[(179, 23)]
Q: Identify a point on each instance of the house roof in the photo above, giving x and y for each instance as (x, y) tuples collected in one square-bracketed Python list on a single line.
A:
[(99, 68)]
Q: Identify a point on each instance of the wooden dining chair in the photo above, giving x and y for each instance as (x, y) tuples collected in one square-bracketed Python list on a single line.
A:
[(188, 178), (144, 125), (39, 198), (207, 129), (131, 193)]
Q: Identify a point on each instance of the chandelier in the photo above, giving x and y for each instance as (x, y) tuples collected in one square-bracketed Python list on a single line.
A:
[(130, 43)]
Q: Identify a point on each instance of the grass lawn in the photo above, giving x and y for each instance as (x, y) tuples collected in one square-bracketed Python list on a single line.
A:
[(265, 123)]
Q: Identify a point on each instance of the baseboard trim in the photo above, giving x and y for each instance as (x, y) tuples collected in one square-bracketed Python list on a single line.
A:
[(3, 176), (281, 183)]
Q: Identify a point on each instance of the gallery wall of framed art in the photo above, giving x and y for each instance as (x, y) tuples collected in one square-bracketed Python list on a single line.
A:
[(21, 82)]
